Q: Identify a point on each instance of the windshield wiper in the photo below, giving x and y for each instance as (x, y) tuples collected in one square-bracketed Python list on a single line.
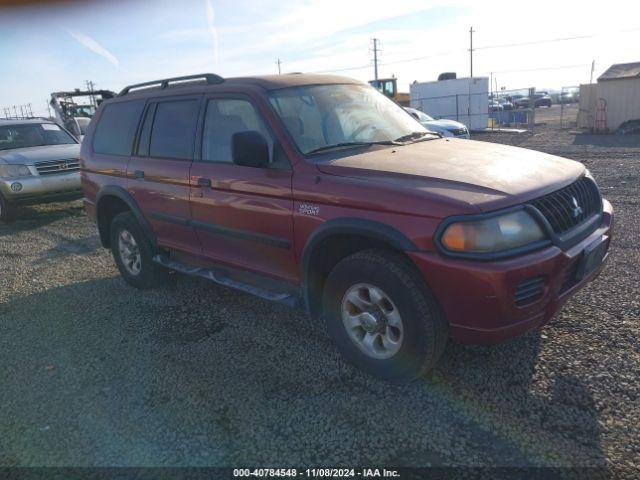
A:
[(415, 136), (352, 144)]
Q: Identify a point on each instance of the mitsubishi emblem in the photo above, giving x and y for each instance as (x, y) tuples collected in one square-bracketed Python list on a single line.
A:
[(576, 211)]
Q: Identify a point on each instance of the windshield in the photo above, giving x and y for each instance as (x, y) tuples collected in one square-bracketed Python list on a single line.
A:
[(320, 116), (421, 116), (32, 135)]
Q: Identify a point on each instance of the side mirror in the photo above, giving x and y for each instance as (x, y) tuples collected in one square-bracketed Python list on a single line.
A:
[(250, 149)]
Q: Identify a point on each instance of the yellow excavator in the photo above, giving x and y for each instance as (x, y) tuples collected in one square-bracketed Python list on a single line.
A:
[(389, 87)]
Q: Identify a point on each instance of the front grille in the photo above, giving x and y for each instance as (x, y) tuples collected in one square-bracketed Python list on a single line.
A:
[(570, 206), (529, 291), (55, 167), (459, 131)]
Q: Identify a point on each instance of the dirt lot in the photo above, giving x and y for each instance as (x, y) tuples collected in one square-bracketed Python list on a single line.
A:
[(94, 372)]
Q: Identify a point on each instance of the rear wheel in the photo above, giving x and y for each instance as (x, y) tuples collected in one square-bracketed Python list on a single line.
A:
[(133, 253), (7, 210), (383, 317)]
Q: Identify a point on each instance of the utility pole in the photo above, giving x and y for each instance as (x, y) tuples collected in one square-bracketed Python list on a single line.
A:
[(375, 58), (471, 49), (278, 62), (90, 86), (593, 67)]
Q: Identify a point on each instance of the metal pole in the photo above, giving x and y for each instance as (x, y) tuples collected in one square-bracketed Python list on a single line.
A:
[(532, 108), (278, 62), (375, 59), (500, 112), (92, 97), (561, 107)]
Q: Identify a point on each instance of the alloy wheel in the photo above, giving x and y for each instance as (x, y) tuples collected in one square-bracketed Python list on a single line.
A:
[(372, 321)]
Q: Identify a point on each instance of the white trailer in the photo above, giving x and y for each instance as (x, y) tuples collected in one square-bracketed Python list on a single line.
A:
[(465, 100)]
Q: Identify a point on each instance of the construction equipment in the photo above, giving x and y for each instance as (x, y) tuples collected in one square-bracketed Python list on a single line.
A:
[(389, 87), (69, 106)]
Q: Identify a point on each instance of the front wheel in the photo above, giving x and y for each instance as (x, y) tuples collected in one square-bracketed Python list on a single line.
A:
[(133, 253), (383, 317)]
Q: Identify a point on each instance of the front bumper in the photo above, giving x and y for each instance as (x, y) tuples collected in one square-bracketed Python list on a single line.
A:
[(41, 189), (478, 298)]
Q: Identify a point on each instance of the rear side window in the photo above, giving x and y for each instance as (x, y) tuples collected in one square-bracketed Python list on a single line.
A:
[(117, 127), (173, 132)]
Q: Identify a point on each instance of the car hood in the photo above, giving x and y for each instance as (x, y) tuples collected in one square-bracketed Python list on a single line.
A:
[(30, 155), (446, 124), (485, 175)]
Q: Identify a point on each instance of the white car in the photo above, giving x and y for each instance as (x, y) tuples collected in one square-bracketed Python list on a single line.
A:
[(446, 128)]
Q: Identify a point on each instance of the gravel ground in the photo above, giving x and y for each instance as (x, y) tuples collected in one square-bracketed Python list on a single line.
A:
[(95, 373)]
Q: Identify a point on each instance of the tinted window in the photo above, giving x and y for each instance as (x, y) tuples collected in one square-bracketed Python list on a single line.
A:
[(117, 128), (173, 131), (223, 119)]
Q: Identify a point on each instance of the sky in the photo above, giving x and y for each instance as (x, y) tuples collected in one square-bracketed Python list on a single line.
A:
[(546, 44)]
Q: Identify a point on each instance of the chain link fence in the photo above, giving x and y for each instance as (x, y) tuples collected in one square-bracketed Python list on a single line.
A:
[(513, 108)]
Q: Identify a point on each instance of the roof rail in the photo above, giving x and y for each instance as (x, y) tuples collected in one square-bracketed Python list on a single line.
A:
[(27, 118), (210, 78)]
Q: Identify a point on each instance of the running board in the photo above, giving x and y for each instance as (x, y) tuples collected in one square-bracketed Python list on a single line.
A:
[(290, 299)]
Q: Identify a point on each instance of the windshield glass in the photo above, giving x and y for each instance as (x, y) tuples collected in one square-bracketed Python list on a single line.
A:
[(32, 135), (319, 116), (422, 117)]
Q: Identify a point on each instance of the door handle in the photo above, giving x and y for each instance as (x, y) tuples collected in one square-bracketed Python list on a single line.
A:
[(138, 174), (204, 182)]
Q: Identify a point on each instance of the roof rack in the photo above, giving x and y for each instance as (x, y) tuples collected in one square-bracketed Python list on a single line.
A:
[(26, 118), (210, 78)]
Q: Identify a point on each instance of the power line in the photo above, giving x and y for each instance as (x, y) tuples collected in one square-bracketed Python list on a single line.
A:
[(539, 69), (486, 47), (554, 40)]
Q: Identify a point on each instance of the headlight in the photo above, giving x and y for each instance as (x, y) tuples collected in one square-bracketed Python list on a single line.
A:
[(14, 171), (493, 234)]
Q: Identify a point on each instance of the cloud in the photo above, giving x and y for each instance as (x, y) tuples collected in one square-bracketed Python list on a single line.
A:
[(94, 46), (212, 30)]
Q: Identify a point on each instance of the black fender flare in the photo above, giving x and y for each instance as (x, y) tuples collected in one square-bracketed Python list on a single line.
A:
[(350, 226), (122, 194)]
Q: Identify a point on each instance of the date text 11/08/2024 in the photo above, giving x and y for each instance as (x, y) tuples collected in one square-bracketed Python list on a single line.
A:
[(317, 472)]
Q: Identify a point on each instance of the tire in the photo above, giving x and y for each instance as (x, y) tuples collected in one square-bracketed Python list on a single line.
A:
[(138, 268), (7, 211), (423, 336)]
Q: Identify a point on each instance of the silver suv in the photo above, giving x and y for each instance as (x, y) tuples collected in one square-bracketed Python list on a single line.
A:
[(39, 163)]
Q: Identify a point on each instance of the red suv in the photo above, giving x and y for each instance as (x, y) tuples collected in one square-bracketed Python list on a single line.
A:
[(318, 191)]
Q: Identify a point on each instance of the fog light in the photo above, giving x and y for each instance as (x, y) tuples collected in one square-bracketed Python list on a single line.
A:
[(16, 186)]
